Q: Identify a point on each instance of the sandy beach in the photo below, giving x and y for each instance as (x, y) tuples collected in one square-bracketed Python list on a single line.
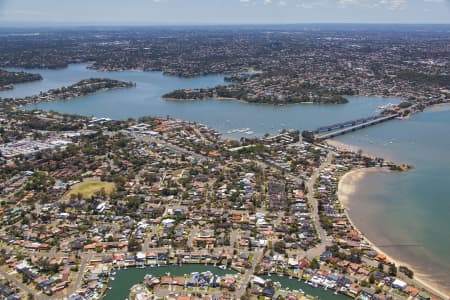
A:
[(346, 188), (438, 107), (343, 147)]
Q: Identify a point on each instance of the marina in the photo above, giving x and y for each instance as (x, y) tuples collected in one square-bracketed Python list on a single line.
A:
[(125, 279), (398, 140)]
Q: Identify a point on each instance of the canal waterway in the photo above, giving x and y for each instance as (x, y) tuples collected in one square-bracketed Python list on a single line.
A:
[(126, 278), (295, 284), (394, 210)]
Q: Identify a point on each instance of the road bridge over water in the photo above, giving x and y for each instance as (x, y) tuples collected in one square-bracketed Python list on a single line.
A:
[(331, 131)]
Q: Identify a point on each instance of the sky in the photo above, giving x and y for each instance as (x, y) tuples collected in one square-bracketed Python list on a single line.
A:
[(160, 12)]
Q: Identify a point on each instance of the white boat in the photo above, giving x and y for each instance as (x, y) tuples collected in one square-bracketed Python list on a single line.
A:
[(386, 106), (232, 131)]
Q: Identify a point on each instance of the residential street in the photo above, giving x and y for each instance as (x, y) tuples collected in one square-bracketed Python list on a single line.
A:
[(22, 286)]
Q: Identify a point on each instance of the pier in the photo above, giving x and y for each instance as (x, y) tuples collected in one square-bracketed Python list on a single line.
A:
[(331, 131)]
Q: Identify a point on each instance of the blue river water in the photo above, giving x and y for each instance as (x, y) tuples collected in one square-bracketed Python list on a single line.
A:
[(145, 99), (391, 209), (408, 212)]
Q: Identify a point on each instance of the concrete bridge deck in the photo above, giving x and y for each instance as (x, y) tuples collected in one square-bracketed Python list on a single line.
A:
[(331, 131), (345, 124)]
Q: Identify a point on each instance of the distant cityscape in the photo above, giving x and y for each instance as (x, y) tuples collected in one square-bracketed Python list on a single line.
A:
[(84, 200)]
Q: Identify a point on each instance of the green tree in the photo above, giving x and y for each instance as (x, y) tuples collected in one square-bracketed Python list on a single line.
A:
[(380, 267), (392, 270), (133, 245), (314, 264)]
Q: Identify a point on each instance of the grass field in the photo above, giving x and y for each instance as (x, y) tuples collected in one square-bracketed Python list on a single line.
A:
[(89, 188)]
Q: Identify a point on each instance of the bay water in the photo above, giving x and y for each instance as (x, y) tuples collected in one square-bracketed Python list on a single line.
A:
[(408, 214)]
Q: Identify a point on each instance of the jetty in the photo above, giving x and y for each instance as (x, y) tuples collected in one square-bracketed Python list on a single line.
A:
[(334, 130)]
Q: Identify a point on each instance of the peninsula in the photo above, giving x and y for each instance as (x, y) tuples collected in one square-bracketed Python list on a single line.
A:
[(83, 200), (9, 79), (265, 88), (276, 65), (79, 89), (84, 197)]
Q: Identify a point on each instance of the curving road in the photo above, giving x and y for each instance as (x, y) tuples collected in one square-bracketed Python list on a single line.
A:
[(321, 233)]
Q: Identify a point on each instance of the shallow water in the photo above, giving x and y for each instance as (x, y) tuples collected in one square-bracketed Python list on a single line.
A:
[(408, 208), (408, 213)]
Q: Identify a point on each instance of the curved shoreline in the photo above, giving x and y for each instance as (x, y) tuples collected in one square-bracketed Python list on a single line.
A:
[(242, 101), (346, 187)]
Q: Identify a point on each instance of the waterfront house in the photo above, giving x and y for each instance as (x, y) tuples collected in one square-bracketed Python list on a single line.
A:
[(366, 294), (354, 289), (399, 285)]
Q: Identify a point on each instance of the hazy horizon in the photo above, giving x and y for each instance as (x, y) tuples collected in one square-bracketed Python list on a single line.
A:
[(43, 13)]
